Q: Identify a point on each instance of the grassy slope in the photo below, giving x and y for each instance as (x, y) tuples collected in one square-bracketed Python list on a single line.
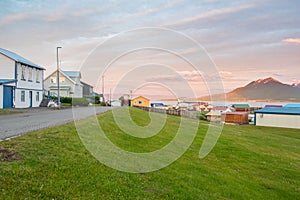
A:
[(247, 162)]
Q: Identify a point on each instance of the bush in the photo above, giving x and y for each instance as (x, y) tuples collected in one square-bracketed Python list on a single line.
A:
[(80, 102), (66, 100), (202, 116)]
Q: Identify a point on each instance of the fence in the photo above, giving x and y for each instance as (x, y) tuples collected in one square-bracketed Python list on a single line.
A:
[(182, 113)]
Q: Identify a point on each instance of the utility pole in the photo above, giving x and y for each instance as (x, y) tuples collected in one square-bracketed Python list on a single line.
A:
[(57, 62), (103, 88)]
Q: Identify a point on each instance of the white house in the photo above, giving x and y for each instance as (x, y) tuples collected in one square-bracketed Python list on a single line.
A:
[(21, 81), (69, 84), (287, 117)]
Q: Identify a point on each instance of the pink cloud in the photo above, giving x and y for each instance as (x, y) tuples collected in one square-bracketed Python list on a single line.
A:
[(292, 40)]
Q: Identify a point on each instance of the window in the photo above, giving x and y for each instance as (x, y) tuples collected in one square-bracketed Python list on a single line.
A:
[(23, 72), (53, 79), (140, 102), (37, 97), (30, 74), (38, 76), (22, 96), (62, 79)]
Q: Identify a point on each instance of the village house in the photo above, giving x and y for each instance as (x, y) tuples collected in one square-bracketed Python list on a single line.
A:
[(21, 81), (286, 117), (69, 84), (235, 117), (241, 107), (140, 101), (87, 90)]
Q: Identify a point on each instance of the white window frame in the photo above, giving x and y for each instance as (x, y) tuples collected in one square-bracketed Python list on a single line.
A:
[(23, 96)]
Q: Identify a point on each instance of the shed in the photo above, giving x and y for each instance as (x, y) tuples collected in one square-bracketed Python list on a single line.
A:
[(286, 117), (235, 117), (214, 116), (241, 107)]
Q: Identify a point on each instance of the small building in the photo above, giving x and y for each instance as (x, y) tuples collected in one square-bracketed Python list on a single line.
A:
[(116, 103), (235, 117), (140, 101), (21, 81), (286, 117), (202, 107), (241, 107), (214, 116), (69, 84), (87, 90)]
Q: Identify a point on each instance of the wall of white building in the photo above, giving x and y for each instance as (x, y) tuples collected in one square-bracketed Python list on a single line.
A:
[(7, 69), (25, 104), (278, 120)]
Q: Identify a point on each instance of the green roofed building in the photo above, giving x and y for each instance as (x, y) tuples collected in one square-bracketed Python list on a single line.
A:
[(241, 107)]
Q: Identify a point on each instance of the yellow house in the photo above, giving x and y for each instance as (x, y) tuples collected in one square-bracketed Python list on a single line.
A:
[(140, 101)]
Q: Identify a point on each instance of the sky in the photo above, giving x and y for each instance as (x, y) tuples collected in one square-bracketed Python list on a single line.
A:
[(167, 48)]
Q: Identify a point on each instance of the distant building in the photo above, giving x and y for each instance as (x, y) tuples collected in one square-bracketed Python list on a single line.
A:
[(21, 81), (286, 117), (69, 84), (214, 116), (140, 101), (235, 117), (116, 103), (241, 107), (87, 89), (292, 105)]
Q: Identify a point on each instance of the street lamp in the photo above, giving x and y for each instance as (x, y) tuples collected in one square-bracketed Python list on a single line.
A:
[(58, 96)]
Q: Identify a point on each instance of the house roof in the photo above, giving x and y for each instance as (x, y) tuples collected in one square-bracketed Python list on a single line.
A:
[(7, 81), (241, 106), (214, 113), (291, 105), (19, 58), (86, 84), (235, 113), (72, 73), (140, 97), (279, 110)]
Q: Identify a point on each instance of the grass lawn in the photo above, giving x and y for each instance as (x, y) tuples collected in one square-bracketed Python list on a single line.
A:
[(8, 112), (248, 162)]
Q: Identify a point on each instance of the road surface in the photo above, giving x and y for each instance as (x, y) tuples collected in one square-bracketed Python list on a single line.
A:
[(17, 124)]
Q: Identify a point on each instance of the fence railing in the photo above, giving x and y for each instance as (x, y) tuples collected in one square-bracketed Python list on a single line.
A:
[(182, 113)]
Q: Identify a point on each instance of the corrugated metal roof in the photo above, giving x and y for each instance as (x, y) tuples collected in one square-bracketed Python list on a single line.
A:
[(72, 73), (241, 105), (19, 58), (6, 81), (292, 105), (278, 110)]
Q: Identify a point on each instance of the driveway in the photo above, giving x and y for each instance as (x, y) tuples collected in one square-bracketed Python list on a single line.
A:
[(31, 120)]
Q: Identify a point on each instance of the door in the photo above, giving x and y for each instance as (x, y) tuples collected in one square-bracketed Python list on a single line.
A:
[(30, 98), (7, 96)]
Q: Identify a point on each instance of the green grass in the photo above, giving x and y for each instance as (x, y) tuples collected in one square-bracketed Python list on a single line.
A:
[(248, 162), (8, 112)]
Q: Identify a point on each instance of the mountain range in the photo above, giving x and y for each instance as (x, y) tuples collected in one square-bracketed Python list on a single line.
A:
[(268, 89)]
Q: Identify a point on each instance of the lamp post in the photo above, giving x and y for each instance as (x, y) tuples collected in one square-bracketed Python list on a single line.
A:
[(58, 96)]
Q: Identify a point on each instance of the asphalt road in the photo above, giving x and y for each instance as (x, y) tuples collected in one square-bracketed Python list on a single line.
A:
[(17, 124)]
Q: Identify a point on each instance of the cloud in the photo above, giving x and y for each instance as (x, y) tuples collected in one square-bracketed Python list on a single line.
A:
[(292, 40), (210, 14)]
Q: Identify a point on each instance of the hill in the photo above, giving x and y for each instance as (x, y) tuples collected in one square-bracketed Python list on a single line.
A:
[(268, 89)]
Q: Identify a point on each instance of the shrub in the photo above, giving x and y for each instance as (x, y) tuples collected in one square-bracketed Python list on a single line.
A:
[(66, 100), (80, 102)]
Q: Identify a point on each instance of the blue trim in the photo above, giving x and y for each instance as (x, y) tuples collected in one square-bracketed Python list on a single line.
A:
[(7, 81), (16, 72), (254, 119), (29, 80)]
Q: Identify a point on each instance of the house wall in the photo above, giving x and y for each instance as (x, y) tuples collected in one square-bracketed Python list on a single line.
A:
[(1, 96), (235, 118), (278, 120), (140, 101), (7, 69), (75, 89), (26, 103), (33, 84)]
